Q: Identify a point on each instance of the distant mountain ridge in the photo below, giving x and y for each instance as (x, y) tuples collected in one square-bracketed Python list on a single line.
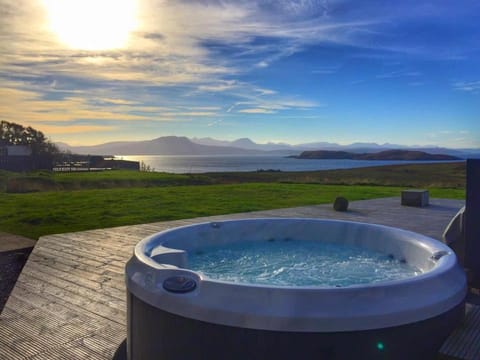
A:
[(180, 145), (167, 145), (244, 143)]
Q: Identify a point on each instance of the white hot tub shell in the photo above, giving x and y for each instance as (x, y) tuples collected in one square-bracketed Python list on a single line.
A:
[(174, 313)]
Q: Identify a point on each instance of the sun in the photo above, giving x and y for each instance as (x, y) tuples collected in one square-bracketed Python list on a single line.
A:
[(92, 24)]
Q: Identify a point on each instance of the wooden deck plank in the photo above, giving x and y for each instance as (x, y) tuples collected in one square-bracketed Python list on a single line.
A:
[(465, 341), (48, 330), (86, 249), (75, 267), (115, 280), (59, 306), (13, 346), (55, 259), (84, 303), (52, 254), (93, 282), (98, 240), (77, 290), (43, 316), (69, 301), (52, 308), (74, 350)]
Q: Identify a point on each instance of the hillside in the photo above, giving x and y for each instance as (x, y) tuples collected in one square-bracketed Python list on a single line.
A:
[(382, 155), (167, 145)]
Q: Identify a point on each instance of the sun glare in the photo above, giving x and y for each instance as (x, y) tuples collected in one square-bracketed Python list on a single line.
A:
[(92, 24)]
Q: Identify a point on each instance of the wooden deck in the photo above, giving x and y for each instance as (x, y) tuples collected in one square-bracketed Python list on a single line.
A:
[(69, 301)]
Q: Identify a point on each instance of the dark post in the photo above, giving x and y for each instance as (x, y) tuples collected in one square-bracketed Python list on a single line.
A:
[(472, 220)]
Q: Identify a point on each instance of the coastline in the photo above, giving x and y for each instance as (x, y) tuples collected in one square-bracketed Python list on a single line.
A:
[(197, 164)]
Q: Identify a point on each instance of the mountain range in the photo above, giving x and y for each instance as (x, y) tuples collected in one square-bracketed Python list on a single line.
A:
[(180, 145)]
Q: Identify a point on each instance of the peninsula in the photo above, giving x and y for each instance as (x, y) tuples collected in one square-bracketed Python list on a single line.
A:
[(382, 155)]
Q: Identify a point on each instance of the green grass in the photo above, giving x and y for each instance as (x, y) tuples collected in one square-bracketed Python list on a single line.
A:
[(47, 181), (441, 175), (40, 213), (42, 203)]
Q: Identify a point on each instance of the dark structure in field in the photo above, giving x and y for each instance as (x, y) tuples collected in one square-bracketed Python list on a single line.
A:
[(472, 224), (21, 158), (78, 162)]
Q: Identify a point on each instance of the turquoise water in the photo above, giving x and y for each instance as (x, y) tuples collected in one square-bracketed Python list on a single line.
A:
[(285, 262)]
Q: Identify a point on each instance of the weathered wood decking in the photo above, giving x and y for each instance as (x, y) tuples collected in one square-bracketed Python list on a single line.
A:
[(69, 301)]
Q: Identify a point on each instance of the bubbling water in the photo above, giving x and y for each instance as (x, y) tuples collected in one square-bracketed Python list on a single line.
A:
[(288, 262)]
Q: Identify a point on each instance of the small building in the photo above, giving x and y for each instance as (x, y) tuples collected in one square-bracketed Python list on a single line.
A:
[(16, 158)]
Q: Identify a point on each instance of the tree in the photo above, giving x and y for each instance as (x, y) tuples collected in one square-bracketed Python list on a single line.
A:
[(43, 151)]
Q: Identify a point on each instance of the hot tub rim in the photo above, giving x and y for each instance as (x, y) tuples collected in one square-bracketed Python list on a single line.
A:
[(446, 270)]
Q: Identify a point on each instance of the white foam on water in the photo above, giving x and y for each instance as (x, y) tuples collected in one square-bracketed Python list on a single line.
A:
[(297, 263)]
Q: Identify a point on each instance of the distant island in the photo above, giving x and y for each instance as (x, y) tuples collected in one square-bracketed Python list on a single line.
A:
[(382, 155)]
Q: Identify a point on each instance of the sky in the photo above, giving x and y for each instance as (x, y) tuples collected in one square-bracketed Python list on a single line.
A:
[(92, 71)]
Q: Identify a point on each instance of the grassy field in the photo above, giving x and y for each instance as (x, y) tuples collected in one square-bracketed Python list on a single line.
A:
[(442, 175), (36, 214), (81, 201)]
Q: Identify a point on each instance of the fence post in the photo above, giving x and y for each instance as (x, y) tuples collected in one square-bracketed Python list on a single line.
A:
[(472, 221)]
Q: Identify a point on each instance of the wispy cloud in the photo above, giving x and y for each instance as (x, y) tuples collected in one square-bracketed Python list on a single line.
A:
[(193, 60), (254, 104), (74, 129), (398, 74), (169, 49), (468, 86), (221, 85), (455, 138), (256, 111), (416, 83), (326, 70), (216, 122), (262, 91)]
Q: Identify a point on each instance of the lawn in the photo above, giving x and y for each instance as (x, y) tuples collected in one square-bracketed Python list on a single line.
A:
[(46, 212), (437, 175)]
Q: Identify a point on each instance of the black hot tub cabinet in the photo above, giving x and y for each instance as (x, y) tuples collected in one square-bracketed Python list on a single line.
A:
[(175, 313)]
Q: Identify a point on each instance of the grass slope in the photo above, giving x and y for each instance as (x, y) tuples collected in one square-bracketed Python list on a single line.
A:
[(42, 203), (451, 175), (40, 213)]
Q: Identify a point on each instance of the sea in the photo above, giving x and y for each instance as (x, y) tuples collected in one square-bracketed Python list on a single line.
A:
[(182, 164)]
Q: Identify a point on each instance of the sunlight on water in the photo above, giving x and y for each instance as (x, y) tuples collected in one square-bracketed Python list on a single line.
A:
[(288, 262), (211, 163)]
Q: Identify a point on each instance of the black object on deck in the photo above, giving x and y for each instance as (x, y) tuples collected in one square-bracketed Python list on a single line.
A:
[(472, 220), (179, 284)]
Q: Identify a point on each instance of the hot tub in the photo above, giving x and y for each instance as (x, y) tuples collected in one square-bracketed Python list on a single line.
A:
[(177, 313)]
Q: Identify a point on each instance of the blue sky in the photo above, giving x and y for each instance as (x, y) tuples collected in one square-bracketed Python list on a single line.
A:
[(87, 72)]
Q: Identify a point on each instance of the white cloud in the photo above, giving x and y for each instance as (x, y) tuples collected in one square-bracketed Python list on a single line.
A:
[(416, 83), (468, 86), (455, 138), (182, 55), (216, 122), (328, 70), (168, 47), (221, 85), (55, 83), (265, 91), (398, 74), (262, 64), (256, 111)]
